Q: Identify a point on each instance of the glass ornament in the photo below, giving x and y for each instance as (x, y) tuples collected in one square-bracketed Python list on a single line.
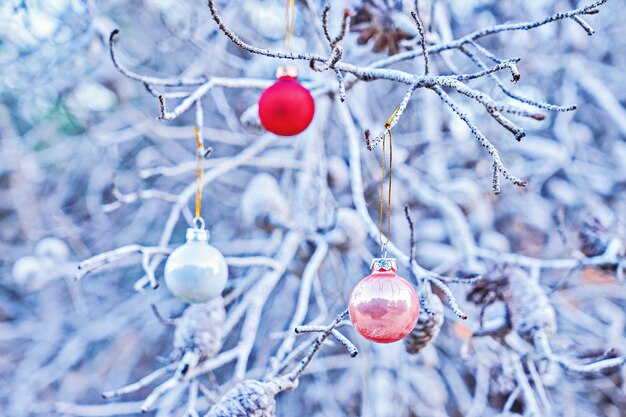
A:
[(384, 307), (286, 108), (196, 272)]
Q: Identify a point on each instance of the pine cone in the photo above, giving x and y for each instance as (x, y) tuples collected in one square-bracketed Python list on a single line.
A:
[(427, 327), (247, 399), (373, 22), (530, 310), (201, 328)]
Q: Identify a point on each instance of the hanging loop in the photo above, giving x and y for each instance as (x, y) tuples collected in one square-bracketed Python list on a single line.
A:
[(198, 223), (383, 251)]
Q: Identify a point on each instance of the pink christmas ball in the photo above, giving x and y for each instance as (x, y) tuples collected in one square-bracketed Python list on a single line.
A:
[(384, 307)]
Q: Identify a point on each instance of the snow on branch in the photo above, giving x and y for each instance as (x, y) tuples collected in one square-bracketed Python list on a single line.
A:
[(376, 71)]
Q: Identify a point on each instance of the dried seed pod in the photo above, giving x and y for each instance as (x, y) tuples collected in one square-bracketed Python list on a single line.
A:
[(26, 270), (246, 399), (349, 231), (501, 387), (338, 173), (201, 328), (250, 119), (427, 327), (489, 295), (530, 310), (149, 157), (262, 203), (486, 291), (593, 238), (494, 321), (53, 248)]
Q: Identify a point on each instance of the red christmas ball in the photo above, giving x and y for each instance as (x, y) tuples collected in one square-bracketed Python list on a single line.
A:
[(286, 108), (384, 307)]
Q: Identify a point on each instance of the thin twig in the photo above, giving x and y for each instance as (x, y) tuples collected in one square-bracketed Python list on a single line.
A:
[(315, 347), (422, 40), (407, 214), (169, 82), (164, 320), (371, 144), (481, 33), (90, 265), (586, 27), (451, 300), (481, 138), (143, 382)]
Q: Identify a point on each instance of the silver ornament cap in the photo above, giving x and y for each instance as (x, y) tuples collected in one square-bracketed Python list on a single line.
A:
[(384, 264), (196, 272), (197, 235), (287, 71)]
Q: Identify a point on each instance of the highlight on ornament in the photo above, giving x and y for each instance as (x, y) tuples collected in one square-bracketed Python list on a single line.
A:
[(196, 272), (384, 307), (286, 108)]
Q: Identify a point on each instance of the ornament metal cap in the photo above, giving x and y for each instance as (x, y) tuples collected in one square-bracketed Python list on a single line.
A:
[(197, 235), (287, 71), (384, 264)]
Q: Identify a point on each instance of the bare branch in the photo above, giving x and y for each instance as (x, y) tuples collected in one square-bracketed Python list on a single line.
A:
[(169, 82), (451, 300), (586, 27), (325, 13), (143, 382), (422, 39), (164, 320), (507, 27), (134, 197), (544, 349), (481, 138), (90, 265), (315, 347), (538, 104), (397, 114)]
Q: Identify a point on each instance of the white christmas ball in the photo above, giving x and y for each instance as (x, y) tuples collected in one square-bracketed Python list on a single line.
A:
[(196, 272)]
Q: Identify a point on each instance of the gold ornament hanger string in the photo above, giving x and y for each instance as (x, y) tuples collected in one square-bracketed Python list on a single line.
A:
[(382, 186), (290, 9), (199, 175)]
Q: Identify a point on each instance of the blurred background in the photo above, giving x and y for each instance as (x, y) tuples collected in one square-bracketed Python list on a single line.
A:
[(81, 152)]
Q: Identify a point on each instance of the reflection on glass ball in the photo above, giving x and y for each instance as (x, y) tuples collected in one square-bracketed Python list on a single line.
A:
[(196, 272), (383, 307)]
